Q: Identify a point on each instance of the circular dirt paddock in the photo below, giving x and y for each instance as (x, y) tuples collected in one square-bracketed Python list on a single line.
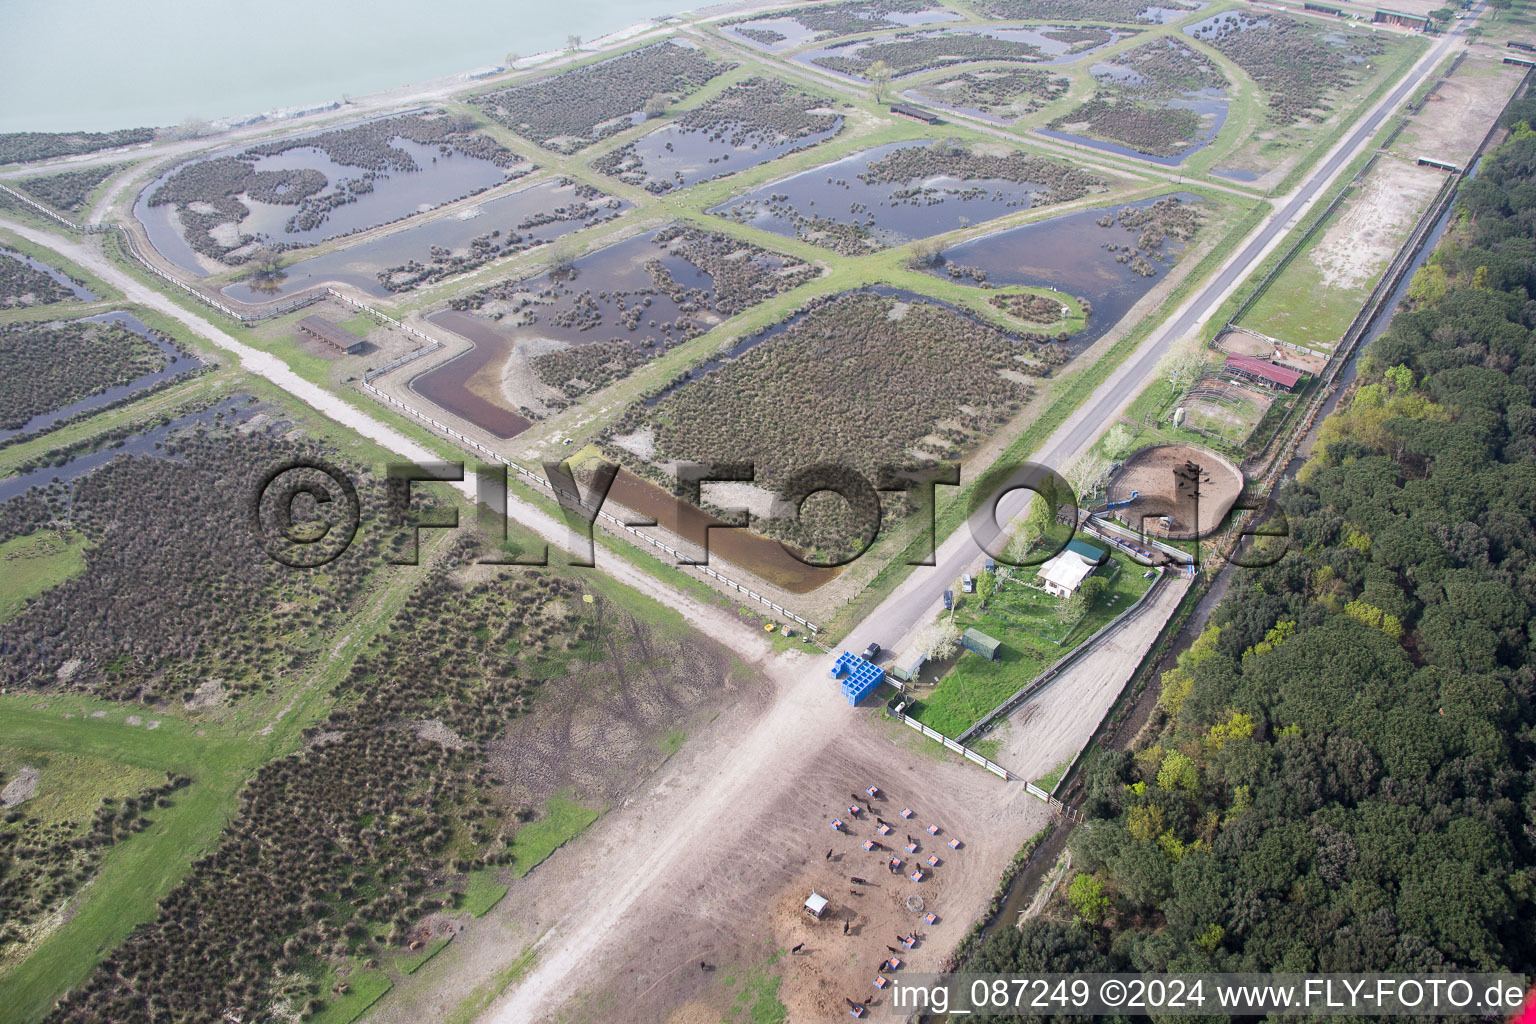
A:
[(1165, 486), (1238, 343)]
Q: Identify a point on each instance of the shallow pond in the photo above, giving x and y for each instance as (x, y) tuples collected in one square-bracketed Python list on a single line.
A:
[(617, 287), (686, 156), (80, 292), (1210, 104), (146, 442), (834, 192), (176, 364), (1068, 253), (360, 265), (1237, 174), (1209, 28), (395, 195), (761, 556)]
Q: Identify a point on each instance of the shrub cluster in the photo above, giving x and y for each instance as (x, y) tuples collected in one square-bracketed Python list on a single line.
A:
[(1290, 62), (740, 276), (906, 54), (1144, 127), (165, 603), (338, 851), (1016, 92), (1135, 112), (21, 147), (23, 285), (583, 368), (573, 109), (1063, 182), (70, 190), (846, 18), (1167, 66), (1153, 226), (765, 36), (45, 366), (759, 111), (1028, 306), (862, 379), (43, 864), (1127, 12)]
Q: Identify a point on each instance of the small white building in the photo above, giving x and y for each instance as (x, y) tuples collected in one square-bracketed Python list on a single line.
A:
[(816, 905), (1063, 574)]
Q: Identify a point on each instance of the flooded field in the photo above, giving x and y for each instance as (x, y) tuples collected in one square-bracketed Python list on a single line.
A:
[(1301, 66), (1209, 106), (746, 124), (446, 246), (796, 29), (1160, 101), (63, 282), (1079, 254), (145, 442), (542, 342), (1001, 96), (676, 157), (909, 53), (303, 191), (176, 364), (762, 556), (854, 205)]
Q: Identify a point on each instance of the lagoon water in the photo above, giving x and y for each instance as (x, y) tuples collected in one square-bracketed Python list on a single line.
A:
[(95, 65)]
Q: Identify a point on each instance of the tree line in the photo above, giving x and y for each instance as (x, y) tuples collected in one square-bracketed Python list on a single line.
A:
[(1339, 775)]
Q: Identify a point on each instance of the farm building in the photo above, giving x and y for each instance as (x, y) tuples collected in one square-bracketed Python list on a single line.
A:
[(1063, 574), (816, 906), (907, 668), (986, 646), (914, 113), (1261, 371), (334, 335), (1401, 19)]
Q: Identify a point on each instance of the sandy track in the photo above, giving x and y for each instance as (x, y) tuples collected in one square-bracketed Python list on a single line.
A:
[(1052, 727)]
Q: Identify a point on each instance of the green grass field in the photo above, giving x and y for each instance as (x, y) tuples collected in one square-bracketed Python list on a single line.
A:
[(1027, 623), (483, 892), (410, 963), (364, 988), (561, 822), (30, 565)]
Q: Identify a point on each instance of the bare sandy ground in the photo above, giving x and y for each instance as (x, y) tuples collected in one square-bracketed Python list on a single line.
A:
[(1053, 726), (713, 861), (1374, 222), (1457, 115), (1151, 473)]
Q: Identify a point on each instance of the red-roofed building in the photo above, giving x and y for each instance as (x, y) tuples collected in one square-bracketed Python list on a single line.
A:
[(1261, 371)]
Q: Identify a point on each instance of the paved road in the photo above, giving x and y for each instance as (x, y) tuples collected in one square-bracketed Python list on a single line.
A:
[(915, 601)]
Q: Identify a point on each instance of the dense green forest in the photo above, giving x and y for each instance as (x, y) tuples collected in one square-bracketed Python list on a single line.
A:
[(1343, 777)]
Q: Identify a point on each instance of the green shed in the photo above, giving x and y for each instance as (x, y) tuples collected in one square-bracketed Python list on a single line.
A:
[(976, 640), (1087, 552)]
